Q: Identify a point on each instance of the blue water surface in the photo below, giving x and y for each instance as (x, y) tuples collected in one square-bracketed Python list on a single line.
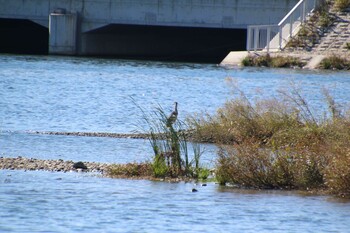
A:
[(67, 94)]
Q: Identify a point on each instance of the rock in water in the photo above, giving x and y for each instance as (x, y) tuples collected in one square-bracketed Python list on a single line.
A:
[(80, 165)]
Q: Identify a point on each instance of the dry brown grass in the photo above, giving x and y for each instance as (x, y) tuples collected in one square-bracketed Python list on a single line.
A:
[(280, 143), (130, 170)]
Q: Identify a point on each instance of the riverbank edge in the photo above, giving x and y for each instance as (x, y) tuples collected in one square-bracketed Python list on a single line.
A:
[(311, 60), (189, 134), (104, 169)]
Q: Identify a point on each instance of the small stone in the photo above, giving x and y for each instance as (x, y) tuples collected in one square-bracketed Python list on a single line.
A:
[(194, 190)]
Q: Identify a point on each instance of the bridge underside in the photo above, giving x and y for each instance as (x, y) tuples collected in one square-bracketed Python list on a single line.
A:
[(209, 45), (163, 43), (20, 36)]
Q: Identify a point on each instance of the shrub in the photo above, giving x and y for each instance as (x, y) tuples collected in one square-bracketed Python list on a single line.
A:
[(249, 165), (335, 62), (280, 143), (269, 61), (337, 177), (325, 19)]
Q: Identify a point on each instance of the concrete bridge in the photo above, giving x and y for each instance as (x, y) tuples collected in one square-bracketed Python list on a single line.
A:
[(198, 30)]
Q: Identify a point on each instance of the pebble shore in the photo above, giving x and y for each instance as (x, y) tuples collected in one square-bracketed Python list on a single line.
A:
[(22, 163), (93, 134)]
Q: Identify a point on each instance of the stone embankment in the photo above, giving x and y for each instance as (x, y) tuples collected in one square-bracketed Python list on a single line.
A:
[(22, 163)]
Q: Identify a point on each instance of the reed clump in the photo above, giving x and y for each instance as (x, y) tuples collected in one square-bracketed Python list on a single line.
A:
[(169, 142), (272, 61), (280, 143)]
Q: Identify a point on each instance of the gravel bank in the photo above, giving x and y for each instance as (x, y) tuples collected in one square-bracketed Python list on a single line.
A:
[(21, 163), (189, 134), (93, 134)]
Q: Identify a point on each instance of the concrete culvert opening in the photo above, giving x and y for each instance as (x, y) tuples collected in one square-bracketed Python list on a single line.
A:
[(20, 36), (184, 44)]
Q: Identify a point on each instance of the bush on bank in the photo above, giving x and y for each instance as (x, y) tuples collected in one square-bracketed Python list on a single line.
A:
[(272, 61), (280, 143), (335, 63)]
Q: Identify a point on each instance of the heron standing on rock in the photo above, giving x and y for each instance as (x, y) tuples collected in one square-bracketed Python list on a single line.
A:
[(172, 118)]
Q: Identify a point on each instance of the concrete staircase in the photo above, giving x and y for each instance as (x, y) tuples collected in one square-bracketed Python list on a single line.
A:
[(312, 49), (336, 37)]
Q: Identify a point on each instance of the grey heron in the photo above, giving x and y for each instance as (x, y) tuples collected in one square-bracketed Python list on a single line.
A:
[(172, 117)]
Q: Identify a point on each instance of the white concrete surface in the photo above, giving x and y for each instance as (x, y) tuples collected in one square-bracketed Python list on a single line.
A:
[(234, 58)]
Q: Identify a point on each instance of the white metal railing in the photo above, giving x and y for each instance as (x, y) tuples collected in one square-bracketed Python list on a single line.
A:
[(275, 37)]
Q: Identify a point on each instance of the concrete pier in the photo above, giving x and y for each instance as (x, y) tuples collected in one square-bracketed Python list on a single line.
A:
[(63, 31)]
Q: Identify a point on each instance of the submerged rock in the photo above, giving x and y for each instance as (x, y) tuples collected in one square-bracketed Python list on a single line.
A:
[(79, 165)]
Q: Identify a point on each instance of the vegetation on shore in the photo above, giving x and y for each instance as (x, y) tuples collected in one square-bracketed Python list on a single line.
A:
[(341, 5), (130, 170), (280, 143), (309, 35), (315, 27), (171, 151), (332, 62), (335, 63), (265, 60)]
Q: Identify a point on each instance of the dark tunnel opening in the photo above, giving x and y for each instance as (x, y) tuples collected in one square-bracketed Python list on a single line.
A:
[(20, 36), (186, 44), (183, 44)]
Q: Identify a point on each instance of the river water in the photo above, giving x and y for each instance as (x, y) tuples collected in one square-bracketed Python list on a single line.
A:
[(48, 93)]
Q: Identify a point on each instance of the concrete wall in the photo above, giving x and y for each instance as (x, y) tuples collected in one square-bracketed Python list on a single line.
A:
[(189, 13)]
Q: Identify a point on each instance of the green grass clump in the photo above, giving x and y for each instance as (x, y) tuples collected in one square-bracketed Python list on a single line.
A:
[(325, 19), (341, 5), (170, 146), (280, 143), (274, 62), (335, 63), (347, 45)]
